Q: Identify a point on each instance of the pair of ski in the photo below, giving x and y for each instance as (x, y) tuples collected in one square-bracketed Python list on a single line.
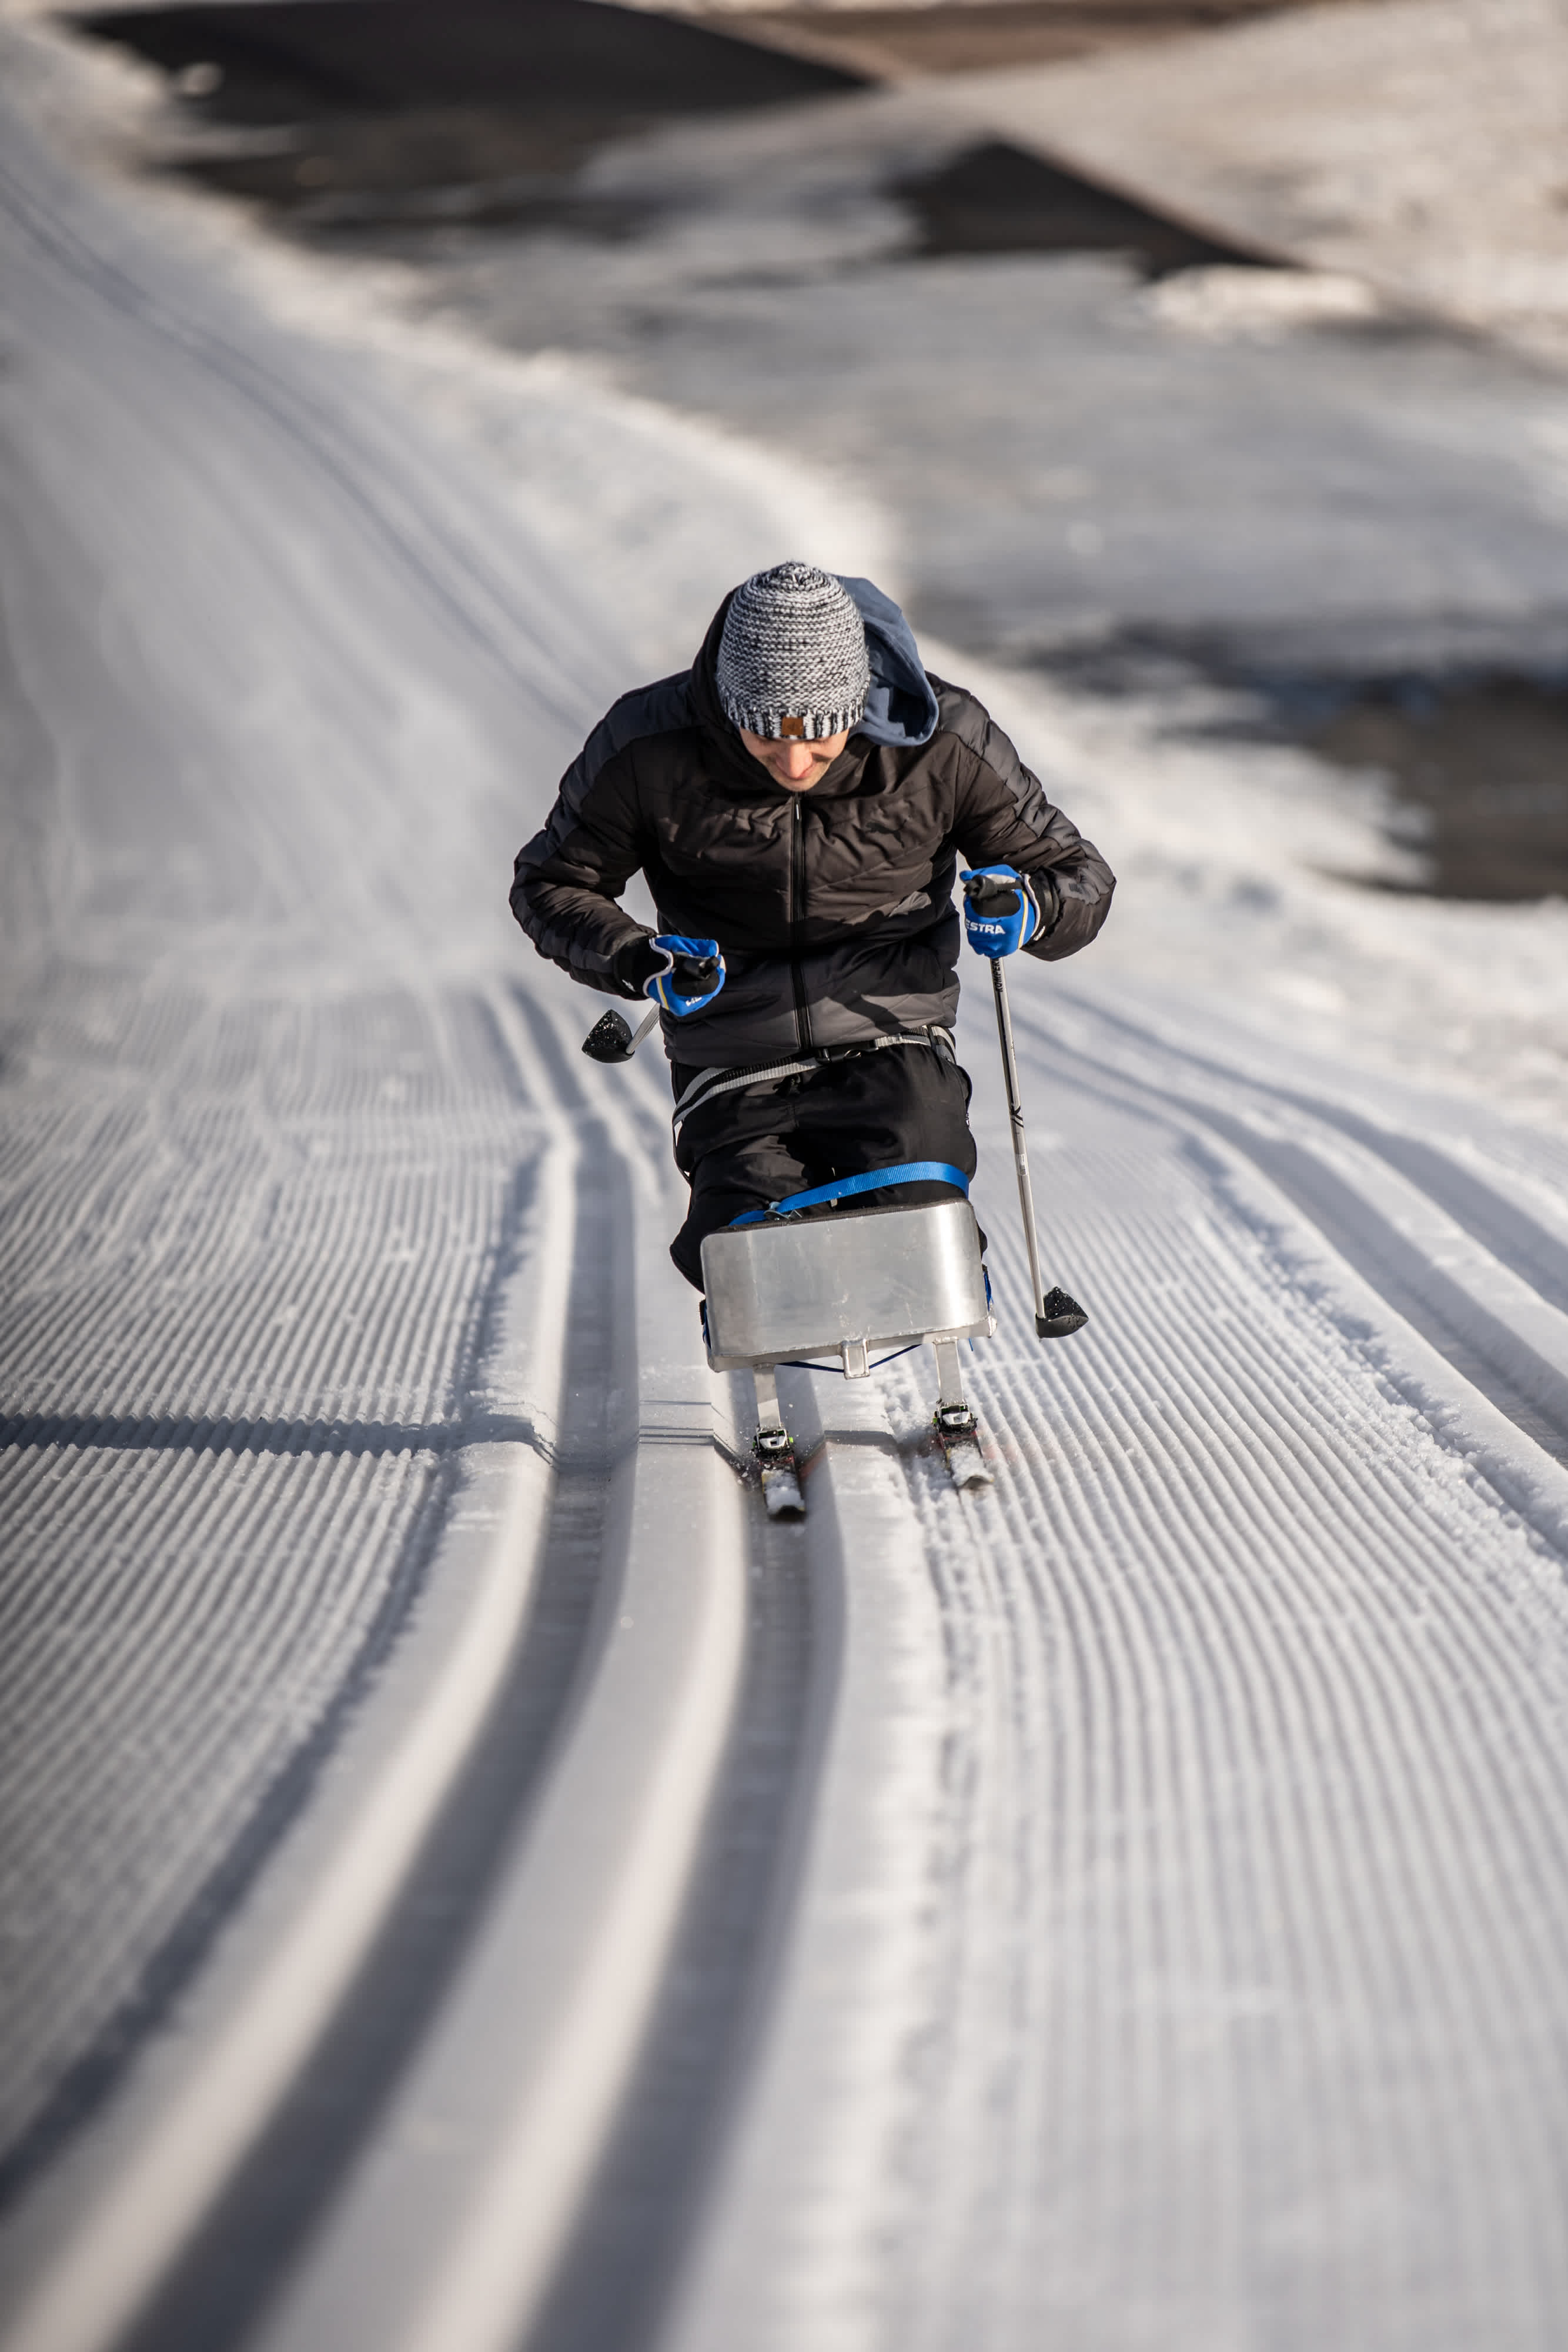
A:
[(781, 1475), (956, 1430)]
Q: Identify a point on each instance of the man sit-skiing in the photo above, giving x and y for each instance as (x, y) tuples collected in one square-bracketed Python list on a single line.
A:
[(798, 801)]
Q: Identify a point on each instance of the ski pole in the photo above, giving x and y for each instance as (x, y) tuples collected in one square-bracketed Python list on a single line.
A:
[(1055, 1314)]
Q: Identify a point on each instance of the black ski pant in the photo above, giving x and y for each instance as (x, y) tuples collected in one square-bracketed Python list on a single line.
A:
[(866, 1110)]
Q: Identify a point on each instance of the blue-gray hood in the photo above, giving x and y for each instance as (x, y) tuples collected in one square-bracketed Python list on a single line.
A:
[(901, 708)]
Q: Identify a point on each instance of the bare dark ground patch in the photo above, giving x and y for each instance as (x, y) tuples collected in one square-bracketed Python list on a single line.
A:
[(1478, 768), (997, 198), (360, 113), (466, 108), (1474, 763)]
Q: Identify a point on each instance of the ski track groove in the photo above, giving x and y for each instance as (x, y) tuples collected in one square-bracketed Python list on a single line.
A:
[(179, 1616), (509, 619), (250, 1226), (1449, 1311), (1284, 1760)]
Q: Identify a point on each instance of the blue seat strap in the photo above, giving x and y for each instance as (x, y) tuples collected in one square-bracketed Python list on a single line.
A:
[(913, 1172)]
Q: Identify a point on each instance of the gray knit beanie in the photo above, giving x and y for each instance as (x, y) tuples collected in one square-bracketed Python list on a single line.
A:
[(793, 649)]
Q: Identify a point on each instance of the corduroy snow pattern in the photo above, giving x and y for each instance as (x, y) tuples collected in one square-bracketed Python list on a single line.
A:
[(793, 650)]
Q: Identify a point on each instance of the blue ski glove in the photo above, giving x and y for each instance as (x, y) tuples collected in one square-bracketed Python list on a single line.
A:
[(691, 973), (1001, 912)]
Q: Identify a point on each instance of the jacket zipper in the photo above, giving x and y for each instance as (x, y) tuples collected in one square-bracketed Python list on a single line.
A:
[(797, 919)]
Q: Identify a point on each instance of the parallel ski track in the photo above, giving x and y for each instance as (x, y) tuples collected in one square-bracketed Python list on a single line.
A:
[(502, 614), (241, 2258), (1408, 1235), (690, 2059), (248, 1247), (622, 2265), (230, 1415), (687, 2057), (1245, 1826)]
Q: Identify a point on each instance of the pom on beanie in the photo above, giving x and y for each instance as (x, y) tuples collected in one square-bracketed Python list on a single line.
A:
[(793, 647)]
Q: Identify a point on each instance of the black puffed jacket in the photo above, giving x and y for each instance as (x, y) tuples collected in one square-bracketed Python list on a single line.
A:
[(833, 906)]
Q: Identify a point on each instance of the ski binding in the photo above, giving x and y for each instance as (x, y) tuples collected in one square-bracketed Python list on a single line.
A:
[(780, 1476), (958, 1435)]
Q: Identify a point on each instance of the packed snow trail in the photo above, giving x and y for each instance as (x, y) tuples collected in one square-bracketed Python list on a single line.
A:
[(471, 1879)]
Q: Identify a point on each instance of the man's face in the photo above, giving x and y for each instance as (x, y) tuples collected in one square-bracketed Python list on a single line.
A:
[(791, 761)]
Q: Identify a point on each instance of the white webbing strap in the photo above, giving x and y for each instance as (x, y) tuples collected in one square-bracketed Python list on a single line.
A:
[(709, 1084)]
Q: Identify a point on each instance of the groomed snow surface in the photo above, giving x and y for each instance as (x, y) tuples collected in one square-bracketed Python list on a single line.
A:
[(469, 1880)]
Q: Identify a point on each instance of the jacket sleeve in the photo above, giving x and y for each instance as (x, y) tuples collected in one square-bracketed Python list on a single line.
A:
[(1004, 818), (567, 881)]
